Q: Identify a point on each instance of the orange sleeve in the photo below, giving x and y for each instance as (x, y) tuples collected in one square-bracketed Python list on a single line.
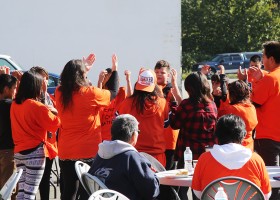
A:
[(100, 97)]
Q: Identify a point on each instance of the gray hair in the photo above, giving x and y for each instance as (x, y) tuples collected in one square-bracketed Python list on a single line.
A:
[(123, 127)]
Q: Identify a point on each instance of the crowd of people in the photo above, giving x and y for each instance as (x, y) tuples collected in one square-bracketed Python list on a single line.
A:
[(106, 126)]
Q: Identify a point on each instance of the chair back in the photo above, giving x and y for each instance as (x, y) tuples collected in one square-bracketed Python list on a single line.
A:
[(107, 194), (81, 168), (236, 188), (92, 183), (165, 191), (7, 189), (154, 162)]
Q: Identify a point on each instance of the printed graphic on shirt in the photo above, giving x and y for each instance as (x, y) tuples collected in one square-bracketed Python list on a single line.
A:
[(103, 173)]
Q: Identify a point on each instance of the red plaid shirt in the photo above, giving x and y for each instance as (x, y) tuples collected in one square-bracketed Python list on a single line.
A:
[(197, 124)]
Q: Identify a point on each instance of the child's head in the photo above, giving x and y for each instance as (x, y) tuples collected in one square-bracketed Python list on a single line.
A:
[(198, 88), (162, 70), (8, 85), (256, 60), (239, 91)]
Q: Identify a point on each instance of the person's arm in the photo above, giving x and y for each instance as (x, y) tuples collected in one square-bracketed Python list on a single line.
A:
[(113, 84), (101, 78), (223, 83), (129, 90), (145, 180), (175, 90)]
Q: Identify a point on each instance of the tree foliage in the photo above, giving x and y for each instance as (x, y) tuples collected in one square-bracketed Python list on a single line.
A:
[(219, 26)]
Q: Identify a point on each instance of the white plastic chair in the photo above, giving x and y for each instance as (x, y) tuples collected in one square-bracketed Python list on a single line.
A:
[(81, 168), (92, 183), (107, 194), (236, 188), (7, 189)]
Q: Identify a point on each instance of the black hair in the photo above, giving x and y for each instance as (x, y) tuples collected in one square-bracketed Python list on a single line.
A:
[(30, 87), (7, 80), (255, 58), (230, 129), (162, 63), (239, 92), (140, 97), (272, 48), (198, 88), (72, 79), (123, 127)]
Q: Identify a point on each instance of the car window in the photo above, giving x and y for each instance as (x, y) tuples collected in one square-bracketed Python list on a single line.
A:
[(51, 82), (6, 63), (216, 58), (236, 57), (226, 58)]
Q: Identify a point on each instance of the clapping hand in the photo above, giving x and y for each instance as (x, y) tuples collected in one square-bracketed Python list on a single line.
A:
[(89, 61), (114, 62), (242, 75)]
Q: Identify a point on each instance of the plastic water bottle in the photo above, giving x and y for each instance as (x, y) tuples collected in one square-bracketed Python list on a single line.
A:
[(188, 159), (221, 195)]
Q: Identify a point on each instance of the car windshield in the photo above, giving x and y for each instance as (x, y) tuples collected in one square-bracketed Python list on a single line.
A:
[(216, 58), (16, 63)]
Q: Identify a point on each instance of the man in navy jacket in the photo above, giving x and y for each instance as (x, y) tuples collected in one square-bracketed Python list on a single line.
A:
[(120, 166)]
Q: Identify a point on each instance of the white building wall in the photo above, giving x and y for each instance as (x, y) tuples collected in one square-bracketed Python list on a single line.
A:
[(50, 33)]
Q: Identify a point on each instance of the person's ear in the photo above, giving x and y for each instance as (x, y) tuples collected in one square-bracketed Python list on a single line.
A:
[(133, 139)]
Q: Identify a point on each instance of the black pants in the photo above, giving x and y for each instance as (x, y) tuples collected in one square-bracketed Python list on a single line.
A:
[(44, 187), (170, 163), (269, 150), (72, 189)]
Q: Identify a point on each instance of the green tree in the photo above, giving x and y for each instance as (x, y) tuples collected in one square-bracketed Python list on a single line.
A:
[(218, 26)]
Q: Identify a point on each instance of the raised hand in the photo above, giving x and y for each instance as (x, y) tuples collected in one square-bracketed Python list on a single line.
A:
[(127, 74), (89, 61), (18, 74), (101, 78), (205, 69), (222, 69), (4, 70), (114, 62), (173, 74), (242, 75), (256, 73)]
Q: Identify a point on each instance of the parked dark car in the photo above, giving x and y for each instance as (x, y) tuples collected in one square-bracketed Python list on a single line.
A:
[(231, 61), (9, 62)]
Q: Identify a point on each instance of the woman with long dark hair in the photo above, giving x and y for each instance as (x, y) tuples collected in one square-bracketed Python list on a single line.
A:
[(196, 118), (30, 121), (78, 105)]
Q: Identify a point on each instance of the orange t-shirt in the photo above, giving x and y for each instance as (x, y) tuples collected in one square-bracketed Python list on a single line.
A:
[(51, 140), (151, 124), (248, 113), (108, 113), (209, 169), (80, 131), (171, 137), (251, 79), (266, 92), (30, 122)]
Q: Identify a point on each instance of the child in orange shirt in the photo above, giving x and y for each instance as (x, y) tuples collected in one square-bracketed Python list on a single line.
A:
[(171, 93), (30, 120), (240, 105)]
